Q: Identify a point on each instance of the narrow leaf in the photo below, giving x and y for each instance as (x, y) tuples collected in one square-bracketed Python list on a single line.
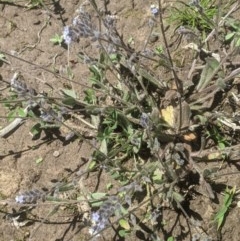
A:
[(98, 195), (229, 36), (70, 93), (227, 201), (238, 43), (92, 165), (207, 73), (103, 147)]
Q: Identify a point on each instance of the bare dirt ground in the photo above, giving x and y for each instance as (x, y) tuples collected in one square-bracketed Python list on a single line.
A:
[(28, 33)]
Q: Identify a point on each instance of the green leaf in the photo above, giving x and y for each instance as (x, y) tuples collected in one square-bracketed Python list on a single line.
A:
[(221, 145), (96, 204), (36, 130), (2, 56), (227, 201), (203, 120), (114, 57), (135, 141), (96, 199), (11, 115), (124, 211), (238, 43), (103, 147), (90, 96), (69, 101), (170, 239), (123, 233), (31, 114), (34, 3), (39, 160), (234, 24), (66, 187), (159, 49), (95, 120), (98, 195), (3, 59), (115, 175), (96, 74), (109, 186), (70, 93), (158, 176), (124, 224), (22, 113), (177, 197), (207, 73), (92, 165), (70, 73), (229, 36), (57, 39)]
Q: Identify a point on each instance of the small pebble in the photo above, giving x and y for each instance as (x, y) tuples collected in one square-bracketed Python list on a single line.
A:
[(153, 38), (56, 153)]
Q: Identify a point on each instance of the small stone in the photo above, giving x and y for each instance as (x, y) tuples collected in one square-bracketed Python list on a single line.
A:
[(153, 38), (56, 153)]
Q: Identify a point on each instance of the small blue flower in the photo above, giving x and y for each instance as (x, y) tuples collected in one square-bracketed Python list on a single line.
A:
[(144, 120), (66, 35), (194, 3), (99, 223), (47, 117), (75, 21), (95, 217), (154, 10), (20, 199)]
